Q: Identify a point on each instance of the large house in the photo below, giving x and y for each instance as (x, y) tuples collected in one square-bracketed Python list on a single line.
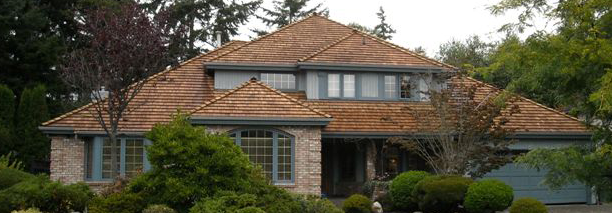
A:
[(310, 103)]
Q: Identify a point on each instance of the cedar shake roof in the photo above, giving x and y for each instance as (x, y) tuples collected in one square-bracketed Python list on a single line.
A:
[(183, 87), (315, 39), (256, 99)]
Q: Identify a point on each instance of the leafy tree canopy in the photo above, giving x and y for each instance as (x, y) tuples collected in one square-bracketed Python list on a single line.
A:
[(286, 12)]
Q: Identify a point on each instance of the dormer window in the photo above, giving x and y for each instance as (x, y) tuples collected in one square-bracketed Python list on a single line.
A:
[(279, 80), (405, 86)]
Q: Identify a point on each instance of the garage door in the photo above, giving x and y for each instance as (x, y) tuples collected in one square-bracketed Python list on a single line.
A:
[(527, 183)]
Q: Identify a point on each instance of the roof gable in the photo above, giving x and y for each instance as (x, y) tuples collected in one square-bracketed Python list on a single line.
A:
[(255, 99)]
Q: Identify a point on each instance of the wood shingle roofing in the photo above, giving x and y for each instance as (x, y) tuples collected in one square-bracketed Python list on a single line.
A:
[(189, 88), (256, 99)]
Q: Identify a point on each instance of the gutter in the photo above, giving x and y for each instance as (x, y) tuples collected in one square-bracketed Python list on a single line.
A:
[(49, 130), (262, 121)]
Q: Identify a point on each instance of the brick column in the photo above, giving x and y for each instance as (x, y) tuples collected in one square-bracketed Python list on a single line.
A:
[(67, 159), (370, 160)]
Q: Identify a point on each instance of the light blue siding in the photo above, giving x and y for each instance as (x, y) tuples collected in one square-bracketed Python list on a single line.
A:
[(527, 183), (231, 79)]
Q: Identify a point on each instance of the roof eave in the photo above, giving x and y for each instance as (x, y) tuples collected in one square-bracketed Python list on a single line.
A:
[(259, 121)]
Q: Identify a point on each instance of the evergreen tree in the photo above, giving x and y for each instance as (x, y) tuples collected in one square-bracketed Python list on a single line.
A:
[(383, 29), (200, 20), (31, 144), (286, 12), (7, 111)]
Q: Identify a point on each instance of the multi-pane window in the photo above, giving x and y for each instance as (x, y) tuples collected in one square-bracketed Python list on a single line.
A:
[(349, 86), (129, 157), (390, 87), (271, 150), (405, 86), (279, 80), (333, 85)]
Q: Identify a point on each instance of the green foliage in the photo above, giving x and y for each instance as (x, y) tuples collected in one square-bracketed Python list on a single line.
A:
[(33, 144), (30, 210), (189, 164), (401, 189), (226, 202), (488, 196), (46, 195), (441, 193), (7, 162), (7, 111), (357, 204), (314, 204), (467, 54), (158, 209), (528, 205), (285, 12), (122, 202), (11, 176), (383, 29)]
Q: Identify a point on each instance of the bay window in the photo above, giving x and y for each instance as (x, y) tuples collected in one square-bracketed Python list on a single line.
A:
[(272, 150)]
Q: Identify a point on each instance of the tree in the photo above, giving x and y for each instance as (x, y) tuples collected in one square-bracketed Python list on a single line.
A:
[(461, 133), (419, 50), (124, 48), (383, 29), (468, 54), (286, 12), (7, 121), (29, 142), (199, 20)]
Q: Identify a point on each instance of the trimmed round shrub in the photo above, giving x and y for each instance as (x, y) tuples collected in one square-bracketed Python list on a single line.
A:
[(123, 202), (441, 193), (357, 204), (401, 189), (30, 210), (528, 205), (315, 204), (158, 209), (48, 196), (225, 201), (487, 196), (10, 177)]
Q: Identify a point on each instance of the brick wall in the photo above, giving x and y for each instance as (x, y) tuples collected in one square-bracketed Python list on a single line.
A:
[(67, 159), (307, 157)]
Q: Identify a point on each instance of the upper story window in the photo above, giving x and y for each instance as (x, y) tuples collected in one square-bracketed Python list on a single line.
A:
[(405, 86), (272, 150), (333, 83), (375, 86), (390, 86), (369, 85), (279, 80), (349, 86)]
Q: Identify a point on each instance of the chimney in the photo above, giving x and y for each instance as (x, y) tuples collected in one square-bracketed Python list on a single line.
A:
[(218, 38), (100, 94)]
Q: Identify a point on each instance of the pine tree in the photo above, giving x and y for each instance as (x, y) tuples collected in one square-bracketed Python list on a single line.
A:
[(7, 111), (286, 12), (383, 30), (32, 144)]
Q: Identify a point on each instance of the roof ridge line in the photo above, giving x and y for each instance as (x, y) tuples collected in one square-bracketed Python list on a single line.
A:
[(400, 48), (326, 47), (264, 36), (528, 100), (293, 99), (147, 79)]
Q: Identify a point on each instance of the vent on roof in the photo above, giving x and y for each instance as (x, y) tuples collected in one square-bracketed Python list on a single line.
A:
[(363, 40), (219, 42)]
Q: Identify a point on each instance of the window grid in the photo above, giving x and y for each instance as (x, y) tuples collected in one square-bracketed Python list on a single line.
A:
[(333, 89), (284, 158), (134, 150), (279, 80), (390, 88), (107, 158), (349, 86), (405, 86), (258, 145)]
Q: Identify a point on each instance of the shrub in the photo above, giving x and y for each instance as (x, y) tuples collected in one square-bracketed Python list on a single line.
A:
[(48, 196), (189, 164), (401, 189), (30, 210), (10, 177), (314, 204), (441, 193), (528, 205), (488, 196), (158, 209), (226, 202), (123, 202), (357, 204)]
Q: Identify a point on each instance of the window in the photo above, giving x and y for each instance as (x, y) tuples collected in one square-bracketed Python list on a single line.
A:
[(390, 88), (129, 156), (349, 86), (278, 80), (405, 86), (333, 85), (271, 150), (369, 85)]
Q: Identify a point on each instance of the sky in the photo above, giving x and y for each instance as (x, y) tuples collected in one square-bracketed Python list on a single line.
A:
[(426, 23)]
